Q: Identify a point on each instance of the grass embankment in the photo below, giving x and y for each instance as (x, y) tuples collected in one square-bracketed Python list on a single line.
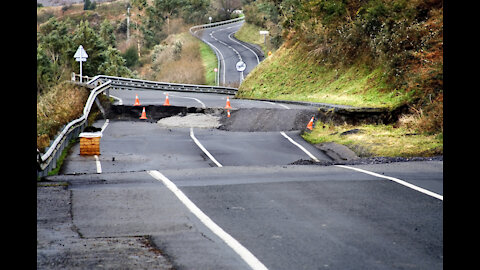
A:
[(209, 60), (55, 108), (251, 33), (289, 74)]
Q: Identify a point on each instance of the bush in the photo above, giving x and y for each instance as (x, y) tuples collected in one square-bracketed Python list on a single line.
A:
[(131, 56)]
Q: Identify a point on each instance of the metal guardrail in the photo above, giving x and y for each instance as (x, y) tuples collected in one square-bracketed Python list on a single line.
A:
[(210, 25), (134, 84), (48, 161)]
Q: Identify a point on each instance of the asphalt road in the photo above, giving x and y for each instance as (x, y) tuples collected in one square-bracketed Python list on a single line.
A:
[(191, 99), (289, 217), (204, 198), (231, 51)]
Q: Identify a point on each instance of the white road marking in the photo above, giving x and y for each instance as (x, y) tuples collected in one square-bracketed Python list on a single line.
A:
[(279, 104), (230, 37), (244, 253), (396, 180), (203, 148), (219, 60), (120, 101), (99, 166), (196, 99), (105, 125), (299, 146)]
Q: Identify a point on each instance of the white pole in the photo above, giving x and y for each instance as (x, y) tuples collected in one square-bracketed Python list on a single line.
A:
[(128, 24), (80, 71)]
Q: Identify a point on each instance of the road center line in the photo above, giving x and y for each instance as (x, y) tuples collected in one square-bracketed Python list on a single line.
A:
[(299, 146), (244, 253), (396, 180), (203, 148)]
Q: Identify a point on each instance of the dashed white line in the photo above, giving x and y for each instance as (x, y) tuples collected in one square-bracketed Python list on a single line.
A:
[(99, 166), (230, 37), (192, 135), (244, 253)]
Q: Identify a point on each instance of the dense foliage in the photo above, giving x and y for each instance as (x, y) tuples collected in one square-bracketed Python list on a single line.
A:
[(57, 42), (403, 37)]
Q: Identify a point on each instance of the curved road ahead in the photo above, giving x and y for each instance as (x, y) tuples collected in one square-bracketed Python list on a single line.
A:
[(231, 51)]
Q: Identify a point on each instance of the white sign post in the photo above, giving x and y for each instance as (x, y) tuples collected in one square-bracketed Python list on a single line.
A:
[(265, 34), (80, 56)]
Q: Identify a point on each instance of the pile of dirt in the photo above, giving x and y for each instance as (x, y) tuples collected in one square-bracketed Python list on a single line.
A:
[(197, 120)]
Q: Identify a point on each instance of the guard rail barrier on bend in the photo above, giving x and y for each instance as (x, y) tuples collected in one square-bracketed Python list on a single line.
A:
[(134, 84), (48, 161)]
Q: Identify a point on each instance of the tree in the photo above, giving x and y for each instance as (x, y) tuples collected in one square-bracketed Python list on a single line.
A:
[(226, 7), (88, 5), (167, 8), (93, 45), (53, 52), (114, 64), (195, 11), (107, 33)]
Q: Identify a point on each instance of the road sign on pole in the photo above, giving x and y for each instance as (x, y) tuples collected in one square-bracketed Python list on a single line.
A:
[(80, 56), (241, 66)]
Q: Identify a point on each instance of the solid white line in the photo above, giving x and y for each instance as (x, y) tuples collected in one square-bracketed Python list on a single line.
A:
[(244, 253), (299, 146), (120, 101), (196, 99), (219, 60), (401, 182), (203, 148), (99, 166), (105, 125), (279, 104)]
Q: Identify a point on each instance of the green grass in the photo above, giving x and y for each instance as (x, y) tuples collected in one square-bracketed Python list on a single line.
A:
[(290, 75), (250, 33), (209, 60), (379, 140)]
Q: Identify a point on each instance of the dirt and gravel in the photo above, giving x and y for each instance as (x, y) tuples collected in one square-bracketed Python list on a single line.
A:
[(61, 246), (197, 120), (366, 161)]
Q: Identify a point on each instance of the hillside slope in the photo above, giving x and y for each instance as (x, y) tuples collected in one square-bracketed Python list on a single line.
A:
[(375, 53)]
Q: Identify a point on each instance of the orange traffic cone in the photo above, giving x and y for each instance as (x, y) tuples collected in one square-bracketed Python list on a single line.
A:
[(228, 104), (167, 103), (310, 124), (144, 114), (228, 113), (137, 102)]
